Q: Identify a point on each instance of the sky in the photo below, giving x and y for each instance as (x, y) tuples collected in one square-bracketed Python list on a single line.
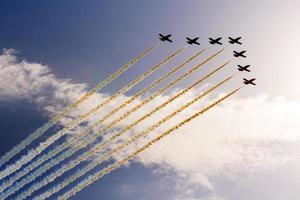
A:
[(246, 148)]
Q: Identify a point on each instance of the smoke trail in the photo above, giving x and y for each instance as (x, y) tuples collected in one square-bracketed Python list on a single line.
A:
[(51, 177), (65, 155), (63, 146), (40, 131), (70, 152), (89, 180), (171, 99), (43, 145)]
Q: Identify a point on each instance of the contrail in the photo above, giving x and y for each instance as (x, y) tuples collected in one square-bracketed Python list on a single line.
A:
[(40, 131), (65, 155), (90, 179), (63, 146), (70, 152), (51, 177), (43, 145)]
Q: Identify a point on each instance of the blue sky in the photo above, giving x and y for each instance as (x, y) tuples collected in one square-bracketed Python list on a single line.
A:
[(84, 41)]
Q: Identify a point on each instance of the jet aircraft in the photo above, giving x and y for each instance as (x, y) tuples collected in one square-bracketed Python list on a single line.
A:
[(234, 40), (215, 41), (239, 54), (165, 37), (192, 41), (244, 68), (250, 81)]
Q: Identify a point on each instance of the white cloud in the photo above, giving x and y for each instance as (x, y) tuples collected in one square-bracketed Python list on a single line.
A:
[(21, 80), (240, 137)]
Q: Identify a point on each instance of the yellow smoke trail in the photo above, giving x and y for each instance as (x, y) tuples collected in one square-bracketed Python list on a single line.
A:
[(148, 88), (147, 131), (98, 148), (33, 136), (126, 114), (159, 92), (171, 99), (55, 137), (42, 146), (115, 166), (103, 83), (70, 152)]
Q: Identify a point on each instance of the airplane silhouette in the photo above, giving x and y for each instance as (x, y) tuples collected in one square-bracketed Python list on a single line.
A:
[(239, 54), (192, 41), (251, 81), (235, 40), (244, 68), (215, 41), (165, 37)]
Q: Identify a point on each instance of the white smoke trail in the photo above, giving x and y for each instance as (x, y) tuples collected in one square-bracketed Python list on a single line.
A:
[(51, 177), (55, 137), (69, 152), (40, 131), (43, 145), (106, 156), (89, 180), (47, 166)]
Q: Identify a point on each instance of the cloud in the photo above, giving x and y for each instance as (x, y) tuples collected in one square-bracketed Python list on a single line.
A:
[(21, 80), (240, 137)]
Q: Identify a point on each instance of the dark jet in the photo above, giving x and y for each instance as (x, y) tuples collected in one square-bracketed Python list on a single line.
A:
[(244, 68), (215, 41), (236, 40), (192, 41), (251, 81), (165, 37), (239, 54)]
